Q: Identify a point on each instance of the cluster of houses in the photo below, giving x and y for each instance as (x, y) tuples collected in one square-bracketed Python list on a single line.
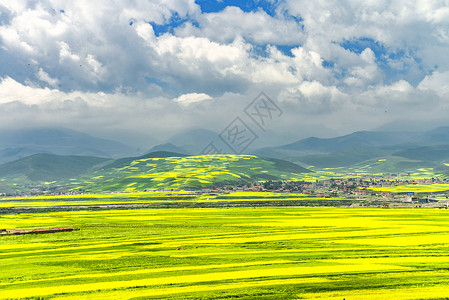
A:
[(349, 187), (342, 187)]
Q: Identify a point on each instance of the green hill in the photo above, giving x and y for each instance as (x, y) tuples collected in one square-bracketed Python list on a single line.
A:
[(6, 189), (342, 158), (393, 165), (187, 172), (123, 162), (156, 170), (47, 167), (429, 153)]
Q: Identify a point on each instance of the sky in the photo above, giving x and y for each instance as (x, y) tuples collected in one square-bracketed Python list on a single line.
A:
[(142, 69)]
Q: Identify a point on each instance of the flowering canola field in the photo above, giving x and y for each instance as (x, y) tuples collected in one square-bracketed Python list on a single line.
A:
[(245, 253), (417, 188), (155, 198)]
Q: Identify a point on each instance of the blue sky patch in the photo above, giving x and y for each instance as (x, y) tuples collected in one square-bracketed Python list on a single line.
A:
[(328, 64), (286, 50), (175, 21), (358, 45), (386, 58), (210, 6)]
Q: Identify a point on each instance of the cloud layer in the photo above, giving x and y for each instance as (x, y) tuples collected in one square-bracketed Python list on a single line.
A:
[(162, 66)]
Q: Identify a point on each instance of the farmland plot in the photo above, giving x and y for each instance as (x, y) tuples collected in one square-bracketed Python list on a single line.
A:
[(246, 253)]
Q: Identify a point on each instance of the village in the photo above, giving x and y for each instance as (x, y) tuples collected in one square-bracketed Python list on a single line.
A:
[(348, 188), (357, 188)]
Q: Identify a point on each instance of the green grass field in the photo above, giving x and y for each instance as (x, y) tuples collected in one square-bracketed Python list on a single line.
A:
[(244, 253)]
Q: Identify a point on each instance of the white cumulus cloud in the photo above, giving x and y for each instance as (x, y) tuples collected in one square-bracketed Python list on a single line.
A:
[(341, 63)]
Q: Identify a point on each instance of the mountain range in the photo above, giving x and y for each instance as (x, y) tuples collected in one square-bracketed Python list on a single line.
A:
[(195, 141), (18, 143), (354, 148), (77, 160), (406, 149)]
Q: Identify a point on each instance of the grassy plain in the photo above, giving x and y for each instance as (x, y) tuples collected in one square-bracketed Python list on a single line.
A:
[(245, 253)]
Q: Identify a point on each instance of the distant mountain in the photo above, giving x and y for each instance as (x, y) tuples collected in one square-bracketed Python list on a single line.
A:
[(430, 148), (48, 167), (271, 139), (169, 147), (17, 143), (346, 157), (193, 141), (356, 139), (437, 136), (10, 154), (394, 165), (342, 150), (437, 153)]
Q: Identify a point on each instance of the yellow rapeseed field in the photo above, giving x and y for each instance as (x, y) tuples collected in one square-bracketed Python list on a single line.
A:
[(276, 253)]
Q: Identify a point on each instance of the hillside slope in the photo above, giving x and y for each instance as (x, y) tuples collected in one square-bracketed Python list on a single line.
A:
[(437, 153), (48, 167), (157, 170), (188, 172)]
